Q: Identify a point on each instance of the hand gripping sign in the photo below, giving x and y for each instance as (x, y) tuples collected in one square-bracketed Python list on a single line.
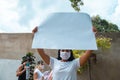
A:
[(65, 31)]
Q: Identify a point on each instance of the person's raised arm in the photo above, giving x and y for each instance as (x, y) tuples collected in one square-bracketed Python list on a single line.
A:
[(84, 58), (44, 56), (41, 52), (87, 54), (20, 71)]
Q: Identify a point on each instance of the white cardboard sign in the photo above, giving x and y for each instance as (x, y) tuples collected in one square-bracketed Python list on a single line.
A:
[(65, 31)]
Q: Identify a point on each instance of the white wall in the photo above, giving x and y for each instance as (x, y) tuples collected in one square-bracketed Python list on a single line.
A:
[(8, 69)]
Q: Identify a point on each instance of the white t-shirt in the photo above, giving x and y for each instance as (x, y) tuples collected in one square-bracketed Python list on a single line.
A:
[(39, 73), (64, 70)]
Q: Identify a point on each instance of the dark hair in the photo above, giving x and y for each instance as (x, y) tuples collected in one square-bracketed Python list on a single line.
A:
[(23, 61), (71, 57), (40, 62)]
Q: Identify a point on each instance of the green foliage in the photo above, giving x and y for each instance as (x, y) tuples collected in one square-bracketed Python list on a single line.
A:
[(102, 42), (103, 25), (77, 54), (76, 4), (31, 59)]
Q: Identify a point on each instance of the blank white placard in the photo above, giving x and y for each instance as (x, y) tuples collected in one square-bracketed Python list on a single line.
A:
[(65, 31)]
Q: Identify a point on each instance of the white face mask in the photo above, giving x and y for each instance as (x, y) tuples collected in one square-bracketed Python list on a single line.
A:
[(42, 66), (65, 55)]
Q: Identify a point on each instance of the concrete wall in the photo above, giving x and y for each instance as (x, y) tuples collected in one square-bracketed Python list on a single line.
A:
[(13, 46), (16, 45), (108, 62)]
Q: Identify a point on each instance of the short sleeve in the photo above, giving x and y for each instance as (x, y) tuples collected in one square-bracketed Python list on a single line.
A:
[(52, 61), (77, 63), (36, 71), (42, 74)]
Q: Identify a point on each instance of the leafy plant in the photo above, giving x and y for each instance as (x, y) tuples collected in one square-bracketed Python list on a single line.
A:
[(76, 4), (31, 59), (102, 25), (102, 42)]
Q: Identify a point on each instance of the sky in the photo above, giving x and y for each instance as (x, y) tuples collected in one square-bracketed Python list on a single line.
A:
[(21, 16)]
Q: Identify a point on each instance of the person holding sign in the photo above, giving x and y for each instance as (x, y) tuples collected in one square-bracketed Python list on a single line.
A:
[(65, 66)]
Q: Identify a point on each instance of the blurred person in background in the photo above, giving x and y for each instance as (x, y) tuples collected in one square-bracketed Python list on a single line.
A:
[(38, 72), (21, 71)]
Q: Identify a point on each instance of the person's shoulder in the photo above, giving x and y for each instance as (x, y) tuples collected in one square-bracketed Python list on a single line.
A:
[(52, 58), (21, 66), (46, 72), (76, 60), (36, 69)]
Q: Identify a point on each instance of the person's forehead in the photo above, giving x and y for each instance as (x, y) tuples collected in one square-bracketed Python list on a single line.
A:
[(64, 50)]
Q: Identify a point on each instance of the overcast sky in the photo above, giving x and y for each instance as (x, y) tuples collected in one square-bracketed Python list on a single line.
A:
[(18, 16)]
